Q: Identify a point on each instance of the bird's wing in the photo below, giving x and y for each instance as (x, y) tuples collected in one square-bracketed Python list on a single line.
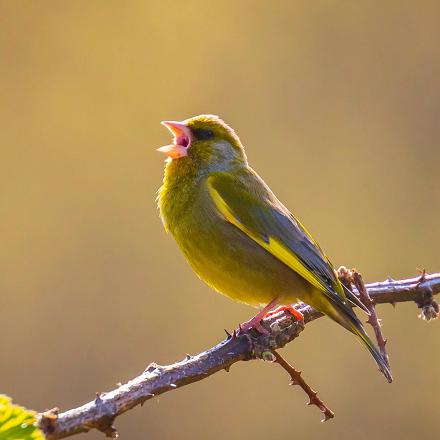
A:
[(266, 221)]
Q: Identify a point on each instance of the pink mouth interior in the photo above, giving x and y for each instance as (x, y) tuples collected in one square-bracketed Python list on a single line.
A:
[(183, 140)]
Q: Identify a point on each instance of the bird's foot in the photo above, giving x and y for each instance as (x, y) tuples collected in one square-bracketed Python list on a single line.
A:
[(291, 309), (254, 323)]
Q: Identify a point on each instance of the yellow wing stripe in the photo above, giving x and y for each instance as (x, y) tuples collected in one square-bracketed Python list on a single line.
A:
[(291, 260), (272, 245), (222, 206)]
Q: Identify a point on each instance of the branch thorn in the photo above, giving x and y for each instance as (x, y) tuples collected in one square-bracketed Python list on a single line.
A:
[(106, 426), (48, 420), (296, 379)]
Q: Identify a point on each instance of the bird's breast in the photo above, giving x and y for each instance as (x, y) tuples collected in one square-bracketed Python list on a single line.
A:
[(226, 258)]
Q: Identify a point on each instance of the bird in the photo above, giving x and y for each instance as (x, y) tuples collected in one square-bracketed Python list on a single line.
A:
[(239, 238)]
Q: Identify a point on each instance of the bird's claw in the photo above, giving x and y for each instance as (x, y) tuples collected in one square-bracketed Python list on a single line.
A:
[(291, 309), (252, 324)]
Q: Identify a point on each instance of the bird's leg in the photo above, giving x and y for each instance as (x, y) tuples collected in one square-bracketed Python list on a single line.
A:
[(255, 322), (290, 308)]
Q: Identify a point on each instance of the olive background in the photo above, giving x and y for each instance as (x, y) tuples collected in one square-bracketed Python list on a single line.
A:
[(337, 103)]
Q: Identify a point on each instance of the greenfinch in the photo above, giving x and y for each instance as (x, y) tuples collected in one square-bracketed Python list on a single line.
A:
[(238, 237)]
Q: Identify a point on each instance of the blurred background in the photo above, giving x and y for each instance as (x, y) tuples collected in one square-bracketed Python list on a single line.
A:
[(338, 105)]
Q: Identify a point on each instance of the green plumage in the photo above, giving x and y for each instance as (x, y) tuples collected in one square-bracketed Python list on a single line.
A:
[(239, 238)]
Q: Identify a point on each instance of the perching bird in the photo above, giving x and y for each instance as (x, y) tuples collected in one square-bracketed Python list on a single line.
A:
[(238, 237)]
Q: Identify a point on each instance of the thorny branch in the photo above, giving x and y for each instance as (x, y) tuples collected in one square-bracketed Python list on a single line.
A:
[(101, 412), (353, 277), (297, 379), (373, 319)]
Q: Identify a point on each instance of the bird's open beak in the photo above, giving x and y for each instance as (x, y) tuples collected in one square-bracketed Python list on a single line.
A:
[(181, 142)]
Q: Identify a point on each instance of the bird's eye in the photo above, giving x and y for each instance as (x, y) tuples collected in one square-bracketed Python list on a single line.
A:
[(202, 134)]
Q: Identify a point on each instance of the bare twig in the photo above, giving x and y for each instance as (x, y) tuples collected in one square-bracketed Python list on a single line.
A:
[(100, 412), (373, 319), (297, 379)]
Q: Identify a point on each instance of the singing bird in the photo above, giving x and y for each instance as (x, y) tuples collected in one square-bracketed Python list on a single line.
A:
[(238, 237)]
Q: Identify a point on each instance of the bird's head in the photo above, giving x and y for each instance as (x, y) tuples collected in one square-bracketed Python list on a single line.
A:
[(205, 141)]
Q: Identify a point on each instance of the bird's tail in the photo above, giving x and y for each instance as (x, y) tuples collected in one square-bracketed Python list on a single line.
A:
[(345, 316), (380, 360)]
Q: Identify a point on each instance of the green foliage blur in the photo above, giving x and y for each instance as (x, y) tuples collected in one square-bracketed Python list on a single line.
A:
[(16, 422), (338, 106)]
